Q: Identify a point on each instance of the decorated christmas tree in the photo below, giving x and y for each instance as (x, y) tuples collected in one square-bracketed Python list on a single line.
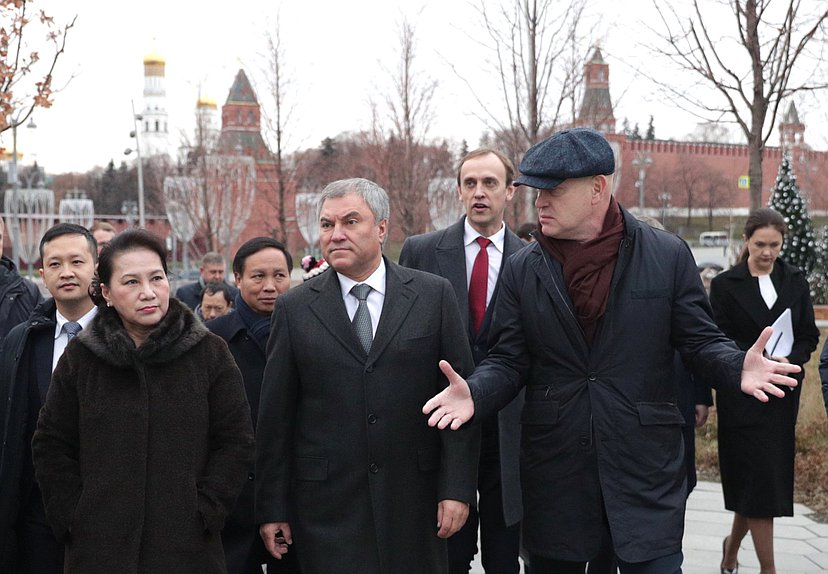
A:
[(799, 248), (818, 278)]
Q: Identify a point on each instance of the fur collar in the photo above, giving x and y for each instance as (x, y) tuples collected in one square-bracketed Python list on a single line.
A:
[(178, 332)]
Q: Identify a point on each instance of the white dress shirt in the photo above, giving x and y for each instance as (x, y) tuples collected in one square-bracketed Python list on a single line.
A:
[(375, 298), (62, 339), (495, 251)]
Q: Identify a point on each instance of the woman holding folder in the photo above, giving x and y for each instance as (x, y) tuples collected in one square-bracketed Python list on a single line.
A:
[(756, 440)]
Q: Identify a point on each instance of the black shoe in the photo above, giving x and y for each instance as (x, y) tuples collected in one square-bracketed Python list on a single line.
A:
[(722, 569)]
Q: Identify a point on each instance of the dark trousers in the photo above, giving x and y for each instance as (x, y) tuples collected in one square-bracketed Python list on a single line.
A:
[(500, 544), (670, 564), (38, 550)]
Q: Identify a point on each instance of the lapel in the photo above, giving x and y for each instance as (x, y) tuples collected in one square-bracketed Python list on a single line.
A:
[(451, 263), (400, 295), (43, 356), (786, 293), (550, 274), (329, 309), (747, 295)]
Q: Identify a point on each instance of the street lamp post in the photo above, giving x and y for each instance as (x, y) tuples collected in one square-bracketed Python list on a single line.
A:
[(15, 186), (136, 134), (665, 203), (642, 162)]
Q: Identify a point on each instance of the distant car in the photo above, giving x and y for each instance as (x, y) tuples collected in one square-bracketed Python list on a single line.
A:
[(714, 238)]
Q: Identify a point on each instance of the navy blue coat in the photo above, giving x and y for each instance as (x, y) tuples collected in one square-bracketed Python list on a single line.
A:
[(601, 426)]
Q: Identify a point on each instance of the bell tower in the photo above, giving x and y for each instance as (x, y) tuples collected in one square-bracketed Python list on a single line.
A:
[(154, 125)]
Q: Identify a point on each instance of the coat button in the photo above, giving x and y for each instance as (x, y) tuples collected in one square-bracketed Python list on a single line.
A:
[(372, 418), (592, 378), (373, 468), (583, 441), (369, 369)]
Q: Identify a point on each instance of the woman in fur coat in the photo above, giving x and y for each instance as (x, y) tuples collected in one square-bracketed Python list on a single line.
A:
[(145, 440)]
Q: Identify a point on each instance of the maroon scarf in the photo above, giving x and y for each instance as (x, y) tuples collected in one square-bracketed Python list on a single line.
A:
[(588, 268)]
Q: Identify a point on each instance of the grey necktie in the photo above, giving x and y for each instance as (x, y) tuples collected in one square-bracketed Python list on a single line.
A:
[(71, 328), (362, 317)]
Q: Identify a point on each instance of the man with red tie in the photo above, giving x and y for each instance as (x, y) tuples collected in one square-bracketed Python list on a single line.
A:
[(470, 254)]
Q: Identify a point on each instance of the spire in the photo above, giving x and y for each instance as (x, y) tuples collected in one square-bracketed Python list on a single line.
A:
[(597, 57), (791, 130), (791, 116), (241, 92)]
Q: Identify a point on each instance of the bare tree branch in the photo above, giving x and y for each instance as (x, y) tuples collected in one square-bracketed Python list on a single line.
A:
[(753, 72)]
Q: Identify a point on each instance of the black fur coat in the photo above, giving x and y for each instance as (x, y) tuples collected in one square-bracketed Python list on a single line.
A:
[(141, 452)]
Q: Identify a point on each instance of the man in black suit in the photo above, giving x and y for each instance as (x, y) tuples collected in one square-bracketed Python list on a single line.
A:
[(484, 186), (262, 269), (588, 319), (346, 466), (28, 356), (211, 269)]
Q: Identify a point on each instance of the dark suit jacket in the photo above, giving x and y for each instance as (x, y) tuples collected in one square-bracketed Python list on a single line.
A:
[(344, 452), (601, 428), (443, 253)]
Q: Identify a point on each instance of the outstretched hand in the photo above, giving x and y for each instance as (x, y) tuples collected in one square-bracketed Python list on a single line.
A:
[(453, 406), (761, 375)]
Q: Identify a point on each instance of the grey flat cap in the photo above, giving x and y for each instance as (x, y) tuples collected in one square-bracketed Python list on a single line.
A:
[(567, 154)]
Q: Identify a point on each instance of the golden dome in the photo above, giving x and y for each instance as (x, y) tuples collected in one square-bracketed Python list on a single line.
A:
[(154, 58), (205, 102)]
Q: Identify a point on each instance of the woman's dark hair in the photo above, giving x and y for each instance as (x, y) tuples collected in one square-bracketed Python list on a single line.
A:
[(763, 217), (130, 240)]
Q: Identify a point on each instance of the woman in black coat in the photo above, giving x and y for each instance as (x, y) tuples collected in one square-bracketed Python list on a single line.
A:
[(145, 440), (756, 440)]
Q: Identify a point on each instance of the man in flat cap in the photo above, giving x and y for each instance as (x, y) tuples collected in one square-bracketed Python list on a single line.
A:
[(588, 320)]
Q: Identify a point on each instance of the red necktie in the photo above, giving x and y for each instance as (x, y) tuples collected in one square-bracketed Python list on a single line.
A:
[(479, 285)]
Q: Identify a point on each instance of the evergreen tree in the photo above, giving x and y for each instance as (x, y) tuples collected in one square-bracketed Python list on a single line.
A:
[(650, 130), (799, 246), (818, 278), (625, 127), (464, 149), (636, 132)]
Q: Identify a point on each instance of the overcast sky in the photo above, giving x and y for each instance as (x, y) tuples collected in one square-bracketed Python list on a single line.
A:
[(336, 54)]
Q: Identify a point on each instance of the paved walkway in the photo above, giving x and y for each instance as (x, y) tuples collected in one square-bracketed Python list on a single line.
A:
[(801, 544)]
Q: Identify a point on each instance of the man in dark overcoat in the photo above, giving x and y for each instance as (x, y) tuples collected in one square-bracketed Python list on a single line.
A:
[(347, 468), (28, 356), (262, 269), (588, 320), (211, 270), (18, 296), (484, 187)]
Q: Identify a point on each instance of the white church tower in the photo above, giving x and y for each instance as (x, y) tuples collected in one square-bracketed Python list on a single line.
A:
[(155, 136), (207, 122)]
